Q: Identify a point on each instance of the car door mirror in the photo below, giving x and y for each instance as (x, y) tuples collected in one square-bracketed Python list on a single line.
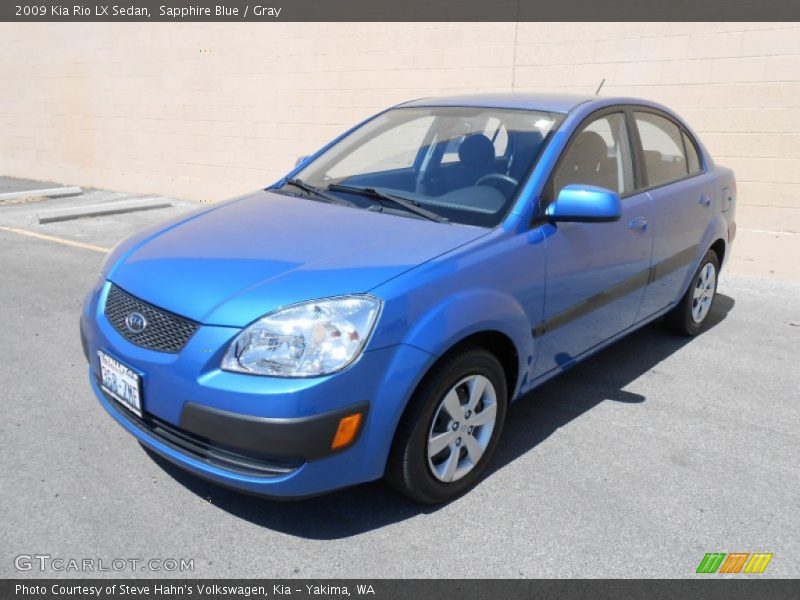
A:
[(301, 160), (585, 204)]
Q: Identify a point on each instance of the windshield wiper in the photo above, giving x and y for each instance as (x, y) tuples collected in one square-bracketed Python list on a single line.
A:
[(411, 206), (310, 189)]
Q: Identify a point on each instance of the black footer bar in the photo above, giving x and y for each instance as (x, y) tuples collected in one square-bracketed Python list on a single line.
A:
[(398, 589)]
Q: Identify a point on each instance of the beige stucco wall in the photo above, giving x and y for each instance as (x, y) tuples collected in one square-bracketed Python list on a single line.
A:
[(206, 111)]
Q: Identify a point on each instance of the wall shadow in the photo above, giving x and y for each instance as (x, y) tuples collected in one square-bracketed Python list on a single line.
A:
[(530, 421)]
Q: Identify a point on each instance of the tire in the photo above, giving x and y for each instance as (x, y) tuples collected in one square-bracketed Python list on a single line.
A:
[(470, 383), (690, 314)]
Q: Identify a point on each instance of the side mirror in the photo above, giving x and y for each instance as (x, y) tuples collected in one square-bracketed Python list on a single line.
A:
[(301, 160), (585, 204)]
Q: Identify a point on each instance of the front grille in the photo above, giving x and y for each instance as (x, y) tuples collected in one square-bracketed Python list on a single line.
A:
[(202, 449), (164, 331)]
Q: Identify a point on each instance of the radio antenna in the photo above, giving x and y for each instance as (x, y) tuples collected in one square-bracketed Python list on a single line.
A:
[(599, 87)]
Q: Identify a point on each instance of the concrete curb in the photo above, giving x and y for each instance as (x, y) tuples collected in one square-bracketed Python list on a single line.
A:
[(47, 192), (96, 210)]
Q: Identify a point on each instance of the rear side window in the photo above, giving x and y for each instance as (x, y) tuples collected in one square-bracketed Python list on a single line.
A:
[(692, 155), (662, 144), (599, 155), (496, 131)]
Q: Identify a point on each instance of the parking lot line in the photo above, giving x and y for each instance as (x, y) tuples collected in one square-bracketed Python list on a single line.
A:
[(57, 240)]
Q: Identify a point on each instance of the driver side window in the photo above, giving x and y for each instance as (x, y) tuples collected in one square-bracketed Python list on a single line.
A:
[(599, 155)]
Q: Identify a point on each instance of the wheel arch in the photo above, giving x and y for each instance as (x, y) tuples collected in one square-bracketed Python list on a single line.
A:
[(497, 343), (482, 317), (719, 248)]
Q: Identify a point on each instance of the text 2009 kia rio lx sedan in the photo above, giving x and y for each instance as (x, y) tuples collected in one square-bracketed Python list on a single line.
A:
[(374, 312)]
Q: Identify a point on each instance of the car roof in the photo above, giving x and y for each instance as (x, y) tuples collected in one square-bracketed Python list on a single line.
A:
[(561, 103)]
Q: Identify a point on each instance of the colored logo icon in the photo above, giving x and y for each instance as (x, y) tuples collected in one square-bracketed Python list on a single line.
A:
[(734, 562)]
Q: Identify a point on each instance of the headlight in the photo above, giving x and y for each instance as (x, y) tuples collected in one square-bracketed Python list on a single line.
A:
[(307, 339)]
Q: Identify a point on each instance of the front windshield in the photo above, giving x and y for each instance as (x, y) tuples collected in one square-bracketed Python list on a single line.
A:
[(465, 165)]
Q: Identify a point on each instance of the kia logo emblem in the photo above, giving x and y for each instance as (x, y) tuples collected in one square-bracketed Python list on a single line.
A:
[(135, 322)]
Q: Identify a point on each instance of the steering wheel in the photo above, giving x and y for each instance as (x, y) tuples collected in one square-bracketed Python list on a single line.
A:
[(503, 180)]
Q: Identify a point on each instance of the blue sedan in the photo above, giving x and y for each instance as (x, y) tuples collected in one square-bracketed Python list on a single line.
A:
[(373, 313)]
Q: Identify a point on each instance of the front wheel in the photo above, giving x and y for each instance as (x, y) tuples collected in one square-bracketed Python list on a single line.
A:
[(450, 429), (689, 316)]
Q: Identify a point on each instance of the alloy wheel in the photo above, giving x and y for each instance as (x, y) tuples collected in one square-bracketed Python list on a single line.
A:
[(703, 294), (462, 428)]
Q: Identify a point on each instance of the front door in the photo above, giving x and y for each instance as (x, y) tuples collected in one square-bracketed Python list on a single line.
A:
[(596, 272)]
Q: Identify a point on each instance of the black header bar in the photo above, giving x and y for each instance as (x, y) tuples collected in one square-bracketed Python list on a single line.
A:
[(398, 10)]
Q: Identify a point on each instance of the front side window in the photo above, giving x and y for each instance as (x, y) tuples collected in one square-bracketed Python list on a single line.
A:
[(599, 155), (662, 145), (464, 164)]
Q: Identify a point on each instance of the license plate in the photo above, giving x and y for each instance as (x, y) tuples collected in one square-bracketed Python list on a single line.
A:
[(121, 382)]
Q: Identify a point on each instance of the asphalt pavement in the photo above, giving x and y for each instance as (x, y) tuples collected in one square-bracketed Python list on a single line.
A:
[(634, 464)]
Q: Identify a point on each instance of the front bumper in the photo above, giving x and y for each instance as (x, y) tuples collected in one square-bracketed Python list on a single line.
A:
[(264, 435)]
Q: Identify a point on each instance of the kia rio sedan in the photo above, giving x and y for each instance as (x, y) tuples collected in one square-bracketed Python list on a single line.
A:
[(373, 313)]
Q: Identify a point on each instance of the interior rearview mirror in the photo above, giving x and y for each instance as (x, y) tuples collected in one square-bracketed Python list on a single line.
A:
[(585, 204)]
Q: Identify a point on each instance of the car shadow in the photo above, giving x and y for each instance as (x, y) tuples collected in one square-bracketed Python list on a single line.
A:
[(531, 420)]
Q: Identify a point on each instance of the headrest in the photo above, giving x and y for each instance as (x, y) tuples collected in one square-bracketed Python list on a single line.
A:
[(590, 148), (476, 150)]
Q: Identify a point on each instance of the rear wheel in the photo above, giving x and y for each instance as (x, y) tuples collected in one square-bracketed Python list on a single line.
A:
[(689, 316), (451, 428)]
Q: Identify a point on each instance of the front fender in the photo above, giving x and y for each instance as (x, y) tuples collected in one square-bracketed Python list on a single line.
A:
[(494, 284), (460, 315)]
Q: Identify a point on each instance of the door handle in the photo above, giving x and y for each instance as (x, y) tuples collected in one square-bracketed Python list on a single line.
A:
[(705, 200), (638, 223)]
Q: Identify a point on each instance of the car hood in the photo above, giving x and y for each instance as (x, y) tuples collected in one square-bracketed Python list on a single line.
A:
[(235, 262)]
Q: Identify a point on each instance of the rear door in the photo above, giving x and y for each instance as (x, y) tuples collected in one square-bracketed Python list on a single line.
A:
[(596, 272), (683, 198)]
